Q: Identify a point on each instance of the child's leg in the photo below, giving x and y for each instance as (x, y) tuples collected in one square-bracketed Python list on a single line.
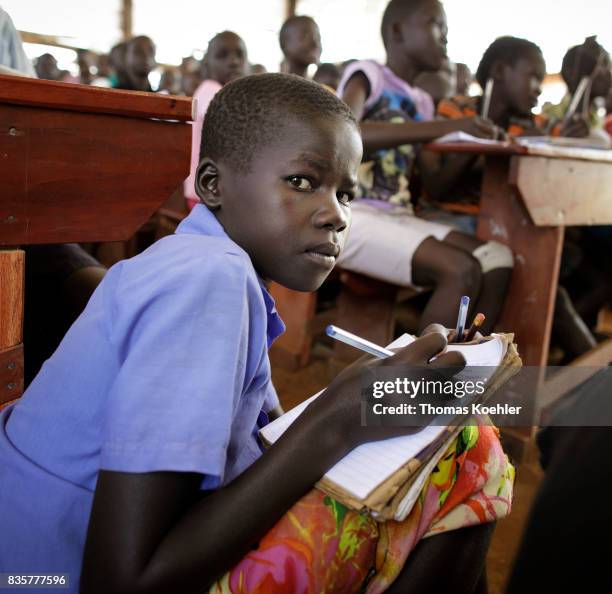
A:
[(452, 272), (495, 262)]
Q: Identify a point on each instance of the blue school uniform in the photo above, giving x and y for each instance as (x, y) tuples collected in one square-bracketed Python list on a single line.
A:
[(166, 370)]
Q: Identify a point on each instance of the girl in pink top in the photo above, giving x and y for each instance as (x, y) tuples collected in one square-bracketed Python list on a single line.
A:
[(225, 60)]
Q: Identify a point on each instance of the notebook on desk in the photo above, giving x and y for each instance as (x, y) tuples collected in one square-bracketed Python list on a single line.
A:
[(383, 476)]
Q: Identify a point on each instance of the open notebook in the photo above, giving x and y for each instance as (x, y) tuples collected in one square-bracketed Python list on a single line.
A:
[(372, 474)]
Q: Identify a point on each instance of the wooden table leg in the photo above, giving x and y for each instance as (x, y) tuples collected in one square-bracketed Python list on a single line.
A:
[(11, 324), (529, 307)]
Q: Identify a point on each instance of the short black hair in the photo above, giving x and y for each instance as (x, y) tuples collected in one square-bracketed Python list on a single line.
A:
[(250, 112), (292, 20), (395, 11), (507, 50), (580, 61)]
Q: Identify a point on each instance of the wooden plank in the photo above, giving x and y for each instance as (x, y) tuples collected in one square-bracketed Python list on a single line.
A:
[(529, 305), (11, 374), (12, 267), (59, 95), (70, 176), (574, 374), (565, 191)]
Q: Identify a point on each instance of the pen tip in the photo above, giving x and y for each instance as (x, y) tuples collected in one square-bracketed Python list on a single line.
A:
[(329, 330), (465, 300)]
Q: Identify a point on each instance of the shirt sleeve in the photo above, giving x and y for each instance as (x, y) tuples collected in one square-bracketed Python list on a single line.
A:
[(11, 48), (183, 358), (373, 72)]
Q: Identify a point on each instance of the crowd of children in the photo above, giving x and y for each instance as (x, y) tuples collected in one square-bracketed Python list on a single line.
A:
[(135, 447)]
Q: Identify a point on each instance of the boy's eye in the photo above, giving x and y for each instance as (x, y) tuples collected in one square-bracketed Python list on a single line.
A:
[(345, 197), (300, 183)]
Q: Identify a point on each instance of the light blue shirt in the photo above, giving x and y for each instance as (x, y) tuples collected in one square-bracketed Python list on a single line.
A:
[(166, 370), (11, 50)]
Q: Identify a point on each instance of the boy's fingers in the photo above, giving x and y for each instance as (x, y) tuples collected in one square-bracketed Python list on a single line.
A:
[(420, 351), (438, 328), (451, 359)]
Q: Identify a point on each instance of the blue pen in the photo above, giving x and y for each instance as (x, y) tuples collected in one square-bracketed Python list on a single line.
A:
[(357, 342), (461, 318)]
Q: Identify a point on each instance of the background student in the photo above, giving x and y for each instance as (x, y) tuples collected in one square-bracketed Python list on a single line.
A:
[(300, 42), (225, 60), (387, 241)]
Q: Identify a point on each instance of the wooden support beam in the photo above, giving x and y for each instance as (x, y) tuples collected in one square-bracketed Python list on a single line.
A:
[(290, 8), (126, 20)]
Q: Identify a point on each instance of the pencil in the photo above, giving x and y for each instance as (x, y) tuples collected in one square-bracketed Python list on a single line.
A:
[(486, 98), (477, 323), (463, 309), (358, 342)]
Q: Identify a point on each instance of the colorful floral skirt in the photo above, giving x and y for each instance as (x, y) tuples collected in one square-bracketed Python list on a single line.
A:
[(321, 546)]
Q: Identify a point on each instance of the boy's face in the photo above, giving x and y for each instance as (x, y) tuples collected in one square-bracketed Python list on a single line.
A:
[(423, 35), (291, 212), (226, 58), (302, 42), (521, 83), (141, 56)]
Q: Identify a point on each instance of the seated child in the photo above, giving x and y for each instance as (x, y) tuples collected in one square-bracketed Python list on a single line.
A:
[(387, 241), (300, 42), (328, 74), (453, 181), (139, 62), (225, 60), (586, 60), (132, 461)]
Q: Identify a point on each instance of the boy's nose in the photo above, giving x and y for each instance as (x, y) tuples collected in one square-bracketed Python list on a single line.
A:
[(331, 214)]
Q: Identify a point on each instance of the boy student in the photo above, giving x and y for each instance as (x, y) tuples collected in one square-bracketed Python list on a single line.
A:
[(592, 61), (452, 181), (387, 241), (225, 60), (134, 453), (515, 68), (300, 42), (139, 63)]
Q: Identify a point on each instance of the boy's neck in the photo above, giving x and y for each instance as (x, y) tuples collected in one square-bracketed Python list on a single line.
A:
[(403, 68), (498, 110), (299, 69)]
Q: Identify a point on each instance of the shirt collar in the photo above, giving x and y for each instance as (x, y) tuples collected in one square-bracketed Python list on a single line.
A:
[(202, 221)]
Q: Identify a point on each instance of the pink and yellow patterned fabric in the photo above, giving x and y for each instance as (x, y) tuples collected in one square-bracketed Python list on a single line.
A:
[(321, 546)]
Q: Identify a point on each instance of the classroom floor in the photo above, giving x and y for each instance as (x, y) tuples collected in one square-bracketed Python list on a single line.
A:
[(294, 387)]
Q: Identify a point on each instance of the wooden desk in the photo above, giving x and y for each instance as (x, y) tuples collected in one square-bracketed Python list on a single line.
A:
[(529, 196), (77, 164)]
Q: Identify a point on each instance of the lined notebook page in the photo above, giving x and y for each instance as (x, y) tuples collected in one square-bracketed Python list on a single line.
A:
[(368, 465)]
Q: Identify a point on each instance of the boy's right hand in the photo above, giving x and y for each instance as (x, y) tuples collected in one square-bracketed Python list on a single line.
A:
[(337, 412), (477, 126)]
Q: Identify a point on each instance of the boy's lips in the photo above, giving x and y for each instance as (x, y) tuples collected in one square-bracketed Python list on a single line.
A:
[(324, 253)]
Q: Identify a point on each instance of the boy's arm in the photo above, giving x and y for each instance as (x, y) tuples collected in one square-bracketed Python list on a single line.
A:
[(155, 532), (379, 135), (168, 549)]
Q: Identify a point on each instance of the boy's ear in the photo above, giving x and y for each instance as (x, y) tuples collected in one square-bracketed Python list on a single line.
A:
[(207, 183), (395, 32)]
